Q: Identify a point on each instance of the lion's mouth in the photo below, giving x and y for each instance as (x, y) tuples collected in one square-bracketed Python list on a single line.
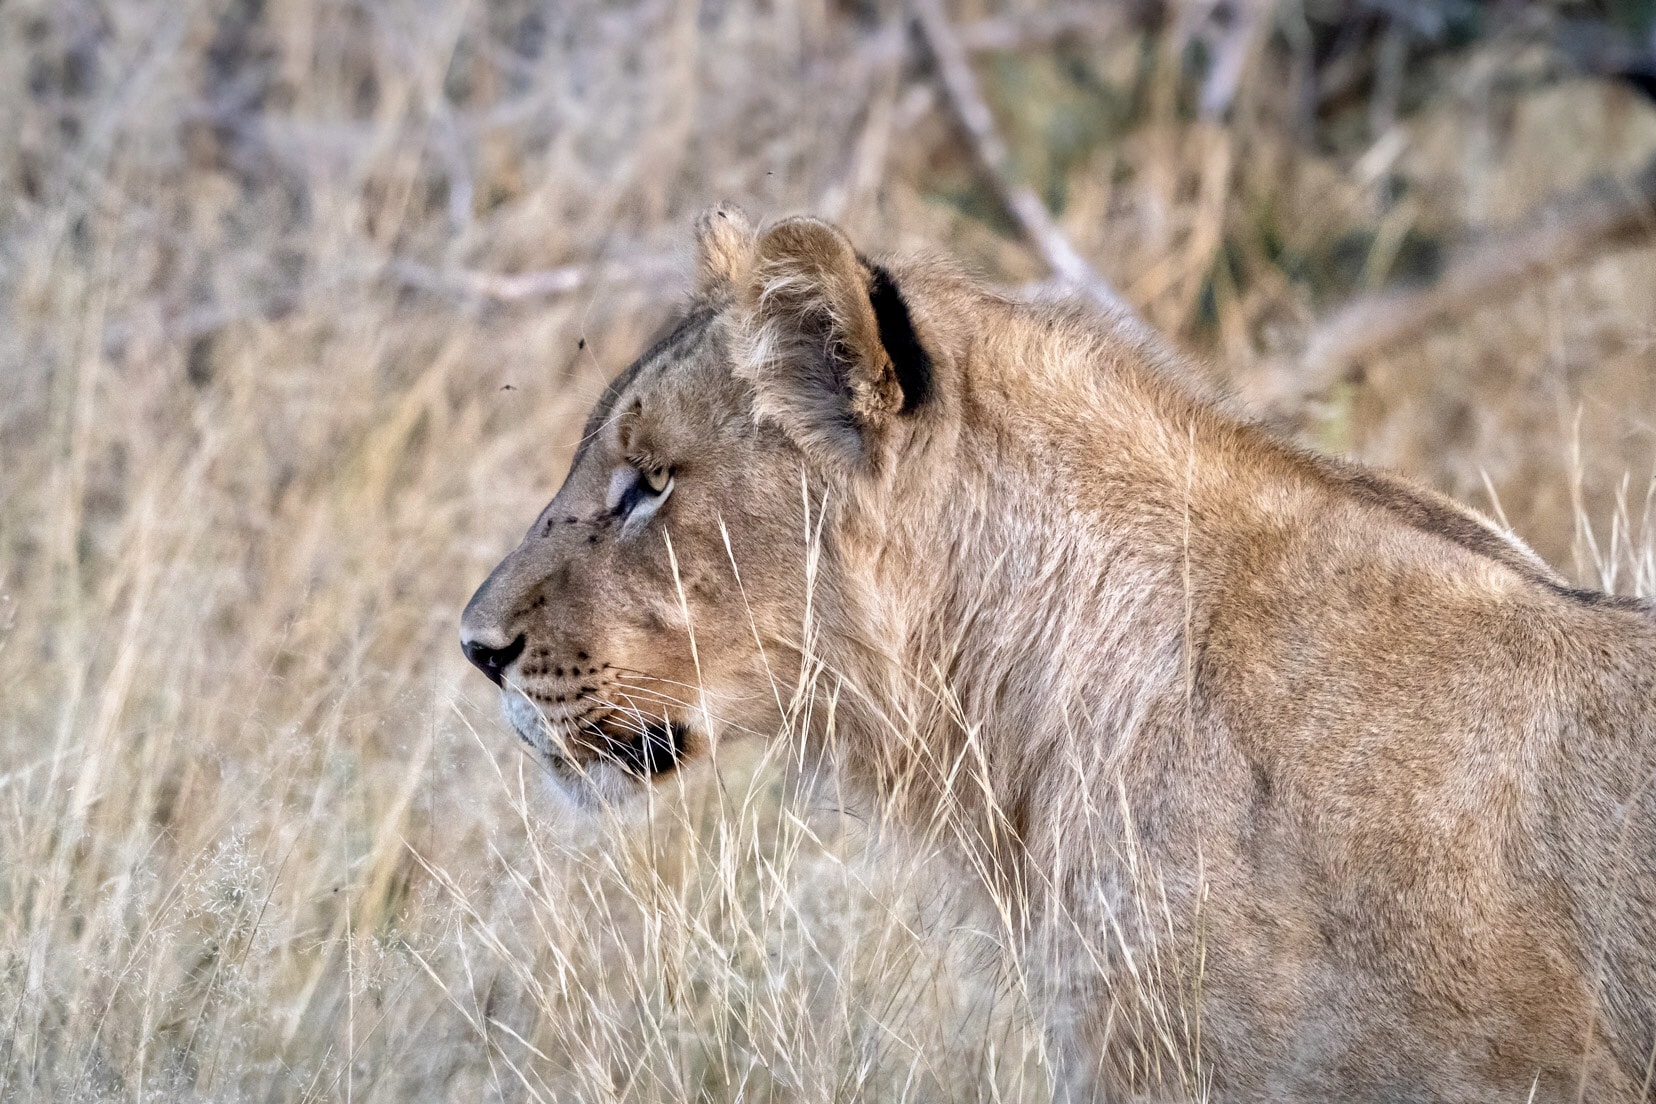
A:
[(644, 746), (648, 749)]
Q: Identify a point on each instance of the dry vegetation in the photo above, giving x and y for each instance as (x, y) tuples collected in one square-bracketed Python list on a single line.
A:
[(300, 306)]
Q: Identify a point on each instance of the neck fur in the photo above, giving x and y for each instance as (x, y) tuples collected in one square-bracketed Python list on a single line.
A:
[(1028, 609)]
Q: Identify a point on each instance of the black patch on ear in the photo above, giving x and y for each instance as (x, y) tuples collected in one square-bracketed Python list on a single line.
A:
[(908, 357)]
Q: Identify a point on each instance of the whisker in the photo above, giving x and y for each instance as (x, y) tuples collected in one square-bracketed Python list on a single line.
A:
[(664, 699), (633, 719), (631, 682), (653, 678)]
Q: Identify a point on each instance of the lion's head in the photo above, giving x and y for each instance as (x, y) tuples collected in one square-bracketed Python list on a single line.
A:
[(662, 598)]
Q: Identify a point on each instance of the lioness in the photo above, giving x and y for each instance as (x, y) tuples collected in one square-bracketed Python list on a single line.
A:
[(1309, 784)]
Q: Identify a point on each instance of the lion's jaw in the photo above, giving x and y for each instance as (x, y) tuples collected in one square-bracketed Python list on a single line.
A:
[(588, 763)]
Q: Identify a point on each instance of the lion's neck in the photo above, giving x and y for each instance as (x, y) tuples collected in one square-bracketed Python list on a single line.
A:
[(1026, 620)]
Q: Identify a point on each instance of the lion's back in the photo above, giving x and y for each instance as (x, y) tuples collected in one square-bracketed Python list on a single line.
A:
[(1461, 750)]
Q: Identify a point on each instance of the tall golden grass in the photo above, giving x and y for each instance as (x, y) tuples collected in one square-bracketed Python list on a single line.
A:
[(302, 307)]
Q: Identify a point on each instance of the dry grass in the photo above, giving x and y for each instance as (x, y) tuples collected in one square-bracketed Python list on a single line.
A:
[(267, 415)]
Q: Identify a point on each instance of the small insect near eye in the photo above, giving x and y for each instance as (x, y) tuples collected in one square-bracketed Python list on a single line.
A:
[(657, 479)]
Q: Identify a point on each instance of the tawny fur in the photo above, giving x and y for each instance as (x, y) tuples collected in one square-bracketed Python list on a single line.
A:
[(1307, 784)]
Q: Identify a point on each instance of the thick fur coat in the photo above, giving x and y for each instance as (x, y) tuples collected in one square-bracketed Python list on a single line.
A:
[(1305, 783)]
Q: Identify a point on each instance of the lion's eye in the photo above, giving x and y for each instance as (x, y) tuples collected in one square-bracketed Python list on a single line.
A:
[(635, 494)]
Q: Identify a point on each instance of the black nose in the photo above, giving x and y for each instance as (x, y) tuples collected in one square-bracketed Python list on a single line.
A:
[(492, 661)]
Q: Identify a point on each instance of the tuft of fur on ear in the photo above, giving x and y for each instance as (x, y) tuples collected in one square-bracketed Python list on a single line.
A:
[(824, 327), (724, 249)]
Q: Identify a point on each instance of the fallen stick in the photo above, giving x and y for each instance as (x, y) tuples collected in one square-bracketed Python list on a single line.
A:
[(1600, 217), (1024, 31), (961, 87), (1090, 21), (515, 287)]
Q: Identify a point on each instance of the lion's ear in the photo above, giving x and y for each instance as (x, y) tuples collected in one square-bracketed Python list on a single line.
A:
[(835, 358), (724, 249)]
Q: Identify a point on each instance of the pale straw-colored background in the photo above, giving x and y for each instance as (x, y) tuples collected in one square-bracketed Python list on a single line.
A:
[(301, 304)]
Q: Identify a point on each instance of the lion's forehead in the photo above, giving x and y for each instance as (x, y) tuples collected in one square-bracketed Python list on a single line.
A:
[(687, 338)]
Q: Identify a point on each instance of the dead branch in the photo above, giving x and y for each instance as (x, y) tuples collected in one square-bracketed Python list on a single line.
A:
[(517, 287), (1022, 32), (1233, 47), (504, 288), (1599, 218), (961, 87), (1091, 21)]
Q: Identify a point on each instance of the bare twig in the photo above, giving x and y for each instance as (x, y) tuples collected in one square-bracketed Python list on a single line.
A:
[(1021, 32), (501, 287), (1232, 44), (1025, 31), (1596, 219), (655, 272), (516, 287), (867, 160), (961, 87)]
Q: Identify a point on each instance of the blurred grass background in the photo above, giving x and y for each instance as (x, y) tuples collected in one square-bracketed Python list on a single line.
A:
[(301, 305)]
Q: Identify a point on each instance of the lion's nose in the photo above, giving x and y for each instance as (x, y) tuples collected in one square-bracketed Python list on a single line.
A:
[(492, 661)]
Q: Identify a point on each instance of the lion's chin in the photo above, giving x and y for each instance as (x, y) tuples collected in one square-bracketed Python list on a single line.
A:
[(589, 787), (615, 775)]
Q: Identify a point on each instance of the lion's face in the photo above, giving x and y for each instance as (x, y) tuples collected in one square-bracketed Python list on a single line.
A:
[(659, 601), (626, 630)]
